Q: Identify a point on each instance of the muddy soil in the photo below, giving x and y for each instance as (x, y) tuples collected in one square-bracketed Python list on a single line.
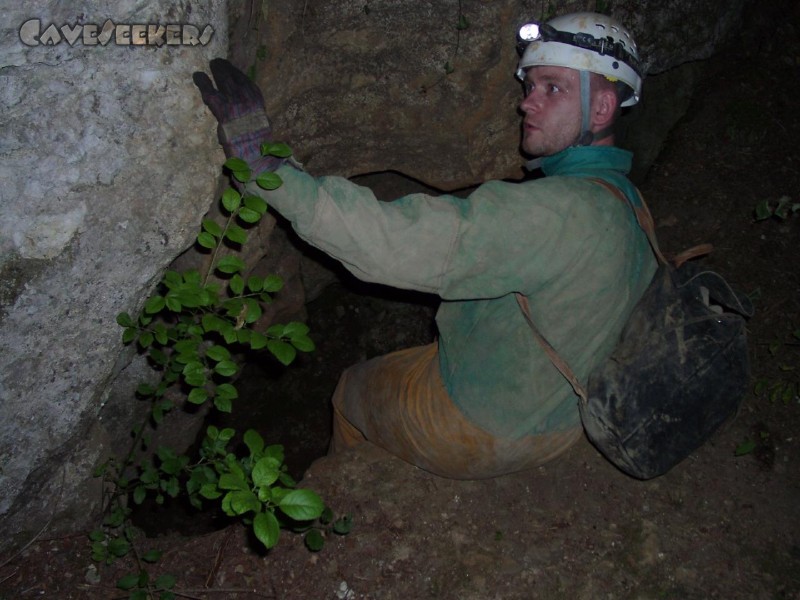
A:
[(717, 526)]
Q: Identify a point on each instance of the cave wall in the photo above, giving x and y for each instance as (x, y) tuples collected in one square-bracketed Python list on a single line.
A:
[(110, 160), (358, 86)]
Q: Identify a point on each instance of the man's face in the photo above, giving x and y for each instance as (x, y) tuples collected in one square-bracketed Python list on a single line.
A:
[(552, 110)]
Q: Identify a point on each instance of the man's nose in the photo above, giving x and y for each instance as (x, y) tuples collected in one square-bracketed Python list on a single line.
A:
[(530, 102)]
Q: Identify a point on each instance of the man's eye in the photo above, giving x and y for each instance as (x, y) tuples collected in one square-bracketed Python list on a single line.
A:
[(554, 89), (528, 87)]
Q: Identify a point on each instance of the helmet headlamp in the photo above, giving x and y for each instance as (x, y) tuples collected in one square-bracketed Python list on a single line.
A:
[(604, 46)]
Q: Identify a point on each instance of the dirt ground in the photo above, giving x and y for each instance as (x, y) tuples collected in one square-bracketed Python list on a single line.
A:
[(717, 526)]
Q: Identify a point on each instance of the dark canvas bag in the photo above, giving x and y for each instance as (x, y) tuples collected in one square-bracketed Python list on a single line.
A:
[(679, 370)]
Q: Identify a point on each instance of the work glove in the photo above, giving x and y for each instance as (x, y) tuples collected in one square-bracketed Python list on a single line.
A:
[(238, 106)]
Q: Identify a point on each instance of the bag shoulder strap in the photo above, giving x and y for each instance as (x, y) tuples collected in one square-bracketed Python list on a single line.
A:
[(647, 224), (645, 219), (554, 356), (642, 212)]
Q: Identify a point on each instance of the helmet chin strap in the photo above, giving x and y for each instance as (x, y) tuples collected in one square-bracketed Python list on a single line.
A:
[(587, 137)]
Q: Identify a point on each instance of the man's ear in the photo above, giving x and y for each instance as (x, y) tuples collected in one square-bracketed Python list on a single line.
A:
[(604, 108)]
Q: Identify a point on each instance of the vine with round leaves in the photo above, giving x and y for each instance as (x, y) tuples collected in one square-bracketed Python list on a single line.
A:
[(194, 331)]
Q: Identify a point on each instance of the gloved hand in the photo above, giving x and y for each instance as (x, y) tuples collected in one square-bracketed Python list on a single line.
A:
[(238, 105)]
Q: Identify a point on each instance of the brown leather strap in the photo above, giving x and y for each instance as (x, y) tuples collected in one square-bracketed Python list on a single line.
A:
[(555, 357), (642, 213), (645, 219)]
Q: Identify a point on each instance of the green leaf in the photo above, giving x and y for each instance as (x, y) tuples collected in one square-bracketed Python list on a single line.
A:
[(235, 164), (125, 320), (275, 451), (172, 487), (210, 491), (233, 307), (783, 207), (227, 391), (160, 332), (212, 227), (240, 169), (314, 540), (198, 395), (236, 234), (284, 352), (272, 283), (344, 525), (154, 305), (194, 367), (326, 516), (195, 379), (187, 347), (173, 304), (253, 311), (119, 547), (236, 284), (269, 181), (152, 556), (231, 481), (231, 200), (258, 340), (206, 240), (303, 343), (231, 264), (463, 23), (253, 441), (255, 203), (172, 278), (227, 434), (212, 322), (218, 353), (278, 149), (255, 283), (128, 582), (129, 335), (763, 210), (745, 448), (139, 494), (295, 328), (249, 216), (226, 368), (302, 505), (223, 404), (146, 339), (166, 581), (266, 471), (145, 390), (266, 528), (243, 501), (287, 479), (98, 535)]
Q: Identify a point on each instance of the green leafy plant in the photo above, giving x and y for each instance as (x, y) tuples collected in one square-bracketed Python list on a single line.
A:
[(750, 445), (782, 209), (784, 355), (195, 331)]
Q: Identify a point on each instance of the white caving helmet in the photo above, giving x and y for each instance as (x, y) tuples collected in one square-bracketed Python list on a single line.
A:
[(589, 43)]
